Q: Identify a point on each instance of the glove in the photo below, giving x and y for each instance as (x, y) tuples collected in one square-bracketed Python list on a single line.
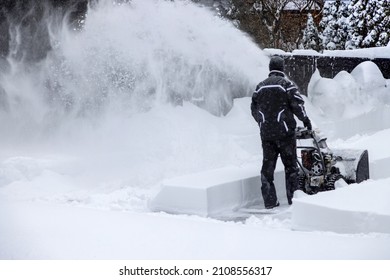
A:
[(307, 124)]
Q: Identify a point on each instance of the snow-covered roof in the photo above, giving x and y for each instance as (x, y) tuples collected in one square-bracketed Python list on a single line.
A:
[(296, 5)]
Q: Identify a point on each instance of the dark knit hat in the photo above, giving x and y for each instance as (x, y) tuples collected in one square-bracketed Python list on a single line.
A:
[(276, 63)]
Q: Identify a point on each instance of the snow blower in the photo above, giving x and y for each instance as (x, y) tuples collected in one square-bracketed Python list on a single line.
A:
[(320, 167)]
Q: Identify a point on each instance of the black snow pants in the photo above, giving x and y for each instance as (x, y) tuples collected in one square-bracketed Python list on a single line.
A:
[(271, 149)]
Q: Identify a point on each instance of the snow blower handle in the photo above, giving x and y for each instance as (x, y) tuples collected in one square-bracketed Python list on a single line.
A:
[(304, 133)]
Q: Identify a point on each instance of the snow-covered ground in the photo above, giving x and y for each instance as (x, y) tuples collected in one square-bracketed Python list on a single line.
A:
[(78, 187)]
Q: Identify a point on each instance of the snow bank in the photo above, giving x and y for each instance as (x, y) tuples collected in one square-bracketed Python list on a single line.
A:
[(349, 95), (355, 208), (368, 76), (210, 193), (217, 193)]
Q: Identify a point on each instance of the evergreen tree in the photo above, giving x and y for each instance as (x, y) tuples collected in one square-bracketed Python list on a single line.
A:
[(334, 25), (370, 23), (378, 24), (384, 32), (358, 22), (311, 39)]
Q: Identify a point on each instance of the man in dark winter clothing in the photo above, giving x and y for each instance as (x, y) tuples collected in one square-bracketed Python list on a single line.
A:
[(274, 104)]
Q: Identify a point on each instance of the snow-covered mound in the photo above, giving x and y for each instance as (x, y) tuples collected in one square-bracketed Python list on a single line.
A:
[(349, 95), (356, 208)]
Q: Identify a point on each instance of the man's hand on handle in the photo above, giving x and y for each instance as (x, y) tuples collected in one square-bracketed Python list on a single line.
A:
[(307, 124)]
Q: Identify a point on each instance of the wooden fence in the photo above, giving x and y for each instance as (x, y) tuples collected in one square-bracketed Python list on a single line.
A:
[(300, 68)]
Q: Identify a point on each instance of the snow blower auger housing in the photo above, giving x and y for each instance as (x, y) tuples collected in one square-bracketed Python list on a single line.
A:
[(320, 167)]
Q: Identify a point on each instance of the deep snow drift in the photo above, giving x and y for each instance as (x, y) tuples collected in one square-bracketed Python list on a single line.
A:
[(80, 157)]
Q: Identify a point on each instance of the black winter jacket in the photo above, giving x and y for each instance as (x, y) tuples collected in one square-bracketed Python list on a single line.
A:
[(274, 104)]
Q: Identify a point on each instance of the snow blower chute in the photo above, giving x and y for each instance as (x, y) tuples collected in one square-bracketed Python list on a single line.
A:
[(320, 167)]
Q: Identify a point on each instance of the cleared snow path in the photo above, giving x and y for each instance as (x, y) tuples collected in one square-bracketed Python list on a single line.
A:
[(356, 208)]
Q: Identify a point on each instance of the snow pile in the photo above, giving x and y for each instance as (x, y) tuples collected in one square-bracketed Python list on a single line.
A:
[(357, 208), (350, 95)]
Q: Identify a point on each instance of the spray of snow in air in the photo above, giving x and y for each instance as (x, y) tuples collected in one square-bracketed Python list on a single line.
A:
[(128, 59), (119, 97)]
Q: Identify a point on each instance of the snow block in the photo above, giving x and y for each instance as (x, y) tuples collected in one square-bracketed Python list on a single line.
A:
[(332, 219), (356, 208), (210, 193)]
